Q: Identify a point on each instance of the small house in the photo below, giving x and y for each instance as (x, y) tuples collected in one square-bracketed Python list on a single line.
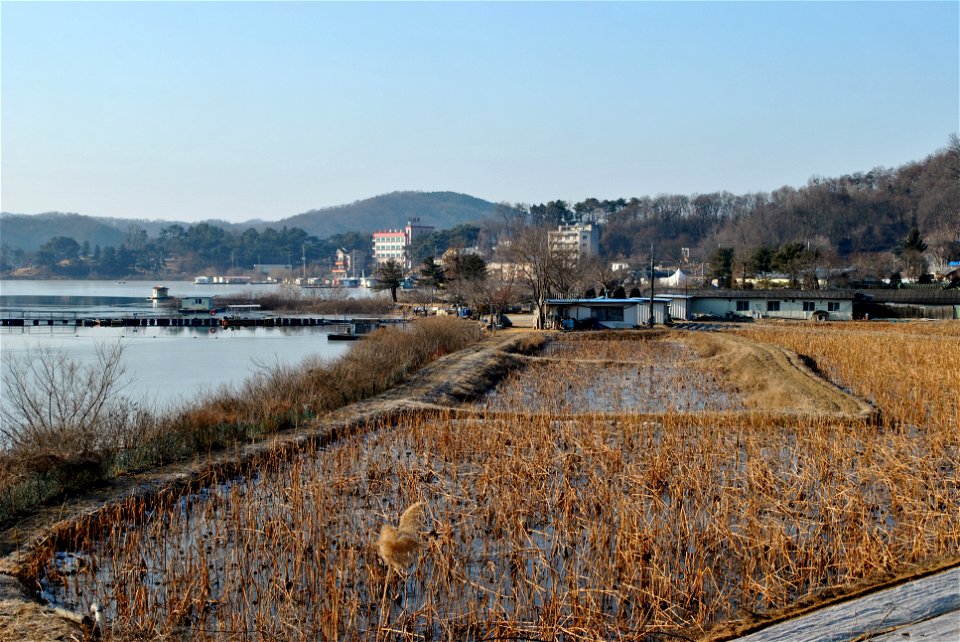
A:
[(160, 293), (196, 304), (607, 313)]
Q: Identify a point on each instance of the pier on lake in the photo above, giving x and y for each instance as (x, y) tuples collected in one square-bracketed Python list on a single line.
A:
[(27, 319)]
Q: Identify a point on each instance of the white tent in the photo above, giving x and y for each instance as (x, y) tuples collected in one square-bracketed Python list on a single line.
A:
[(676, 279)]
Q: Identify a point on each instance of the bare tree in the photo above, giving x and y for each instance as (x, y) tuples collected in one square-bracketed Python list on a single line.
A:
[(55, 404), (514, 216), (529, 250), (565, 272)]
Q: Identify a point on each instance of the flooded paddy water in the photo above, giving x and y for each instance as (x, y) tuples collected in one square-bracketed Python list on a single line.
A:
[(640, 376), (536, 524)]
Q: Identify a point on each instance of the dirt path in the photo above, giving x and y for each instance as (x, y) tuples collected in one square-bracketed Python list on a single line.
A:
[(771, 378)]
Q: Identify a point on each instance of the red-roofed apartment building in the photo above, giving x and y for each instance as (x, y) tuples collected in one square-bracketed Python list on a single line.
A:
[(395, 244)]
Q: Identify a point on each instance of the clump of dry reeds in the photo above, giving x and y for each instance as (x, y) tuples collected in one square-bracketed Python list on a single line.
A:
[(398, 545), (320, 301)]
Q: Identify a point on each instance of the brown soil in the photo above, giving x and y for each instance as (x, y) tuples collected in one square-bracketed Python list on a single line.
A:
[(770, 378)]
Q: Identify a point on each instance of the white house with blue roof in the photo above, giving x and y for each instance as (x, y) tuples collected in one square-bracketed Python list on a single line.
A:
[(607, 313)]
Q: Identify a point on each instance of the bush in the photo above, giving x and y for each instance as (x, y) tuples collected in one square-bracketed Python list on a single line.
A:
[(64, 424), (56, 406)]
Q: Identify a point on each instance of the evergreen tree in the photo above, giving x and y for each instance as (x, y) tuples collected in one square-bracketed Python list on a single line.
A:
[(721, 266), (431, 274), (389, 276)]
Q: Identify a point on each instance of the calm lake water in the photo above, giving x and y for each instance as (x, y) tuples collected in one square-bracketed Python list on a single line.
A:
[(164, 365)]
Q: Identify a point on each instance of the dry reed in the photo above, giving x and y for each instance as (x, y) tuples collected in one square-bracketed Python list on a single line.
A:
[(398, 545), (545, 526)]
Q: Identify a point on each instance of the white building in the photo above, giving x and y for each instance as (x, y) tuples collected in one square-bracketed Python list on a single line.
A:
[(395, 244), (608, 313), (827, 305), (196, 304), (577, 241)]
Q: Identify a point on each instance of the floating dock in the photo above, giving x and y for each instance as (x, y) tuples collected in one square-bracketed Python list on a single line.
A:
[(28, 320)]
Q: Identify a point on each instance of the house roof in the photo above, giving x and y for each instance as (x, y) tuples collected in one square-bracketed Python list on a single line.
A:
[(778, 294), (933, 296), (912, 296), (605, 301)]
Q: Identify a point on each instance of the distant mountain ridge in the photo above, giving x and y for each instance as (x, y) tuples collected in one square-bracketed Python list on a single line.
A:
[(442, 210), (28, 232)]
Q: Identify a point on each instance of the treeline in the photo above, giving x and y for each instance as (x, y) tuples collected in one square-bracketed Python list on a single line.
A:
[(183, 249), (862, 213), (858, 219)]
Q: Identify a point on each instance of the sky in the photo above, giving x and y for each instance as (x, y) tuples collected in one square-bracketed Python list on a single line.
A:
[(241, 110)]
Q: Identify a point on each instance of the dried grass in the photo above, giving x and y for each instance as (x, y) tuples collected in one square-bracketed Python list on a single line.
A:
[(545, 525)]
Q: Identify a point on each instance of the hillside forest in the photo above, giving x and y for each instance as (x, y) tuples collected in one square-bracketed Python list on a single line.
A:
[(880, 221)]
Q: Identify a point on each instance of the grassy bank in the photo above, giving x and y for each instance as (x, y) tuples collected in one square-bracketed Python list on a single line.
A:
[(67, 458), (335, 301)]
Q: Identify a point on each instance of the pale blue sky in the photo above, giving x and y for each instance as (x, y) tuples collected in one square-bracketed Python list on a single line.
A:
[(266, 109)]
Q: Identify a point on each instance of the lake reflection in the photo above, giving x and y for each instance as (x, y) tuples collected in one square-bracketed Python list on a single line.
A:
[(164, 365)]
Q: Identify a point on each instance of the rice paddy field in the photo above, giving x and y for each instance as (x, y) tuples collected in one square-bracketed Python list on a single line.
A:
[(613, 488)]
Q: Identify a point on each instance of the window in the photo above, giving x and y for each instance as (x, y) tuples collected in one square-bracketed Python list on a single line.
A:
[(773, 306), (809, 306), (607, 314), (743, 306), (833, 306)]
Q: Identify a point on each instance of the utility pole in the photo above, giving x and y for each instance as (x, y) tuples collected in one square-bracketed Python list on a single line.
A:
[(652, 279), (303, 258)]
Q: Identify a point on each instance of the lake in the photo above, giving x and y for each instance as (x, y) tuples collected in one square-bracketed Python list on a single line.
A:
[(164, 365)]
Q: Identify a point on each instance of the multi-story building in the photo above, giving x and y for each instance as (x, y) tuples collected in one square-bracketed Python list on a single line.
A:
[(348, 263), (395, 244), (576, 241)]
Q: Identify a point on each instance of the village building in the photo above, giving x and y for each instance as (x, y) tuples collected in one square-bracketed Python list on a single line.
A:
[(823, 305), (395, 244), (573, 314), (348, 264), (576, 241), (507, 271), (271, 268), (194, 304), (909, 303)]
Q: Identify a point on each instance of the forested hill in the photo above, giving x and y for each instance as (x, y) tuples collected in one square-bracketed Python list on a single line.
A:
[(29, 232), (442, 210)]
